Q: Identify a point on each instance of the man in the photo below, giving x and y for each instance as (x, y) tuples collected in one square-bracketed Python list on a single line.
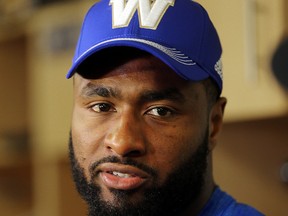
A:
[(147, 110)]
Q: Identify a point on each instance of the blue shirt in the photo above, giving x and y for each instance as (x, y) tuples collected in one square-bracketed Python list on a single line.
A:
[(222, 204)]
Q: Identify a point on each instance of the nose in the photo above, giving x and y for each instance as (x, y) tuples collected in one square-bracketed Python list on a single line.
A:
[(126, 137)]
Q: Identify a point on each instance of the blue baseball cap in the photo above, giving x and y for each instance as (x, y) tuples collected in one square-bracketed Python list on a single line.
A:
[(178, 32)]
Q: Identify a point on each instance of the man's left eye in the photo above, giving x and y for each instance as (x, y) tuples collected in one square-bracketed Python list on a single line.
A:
[(160, 111)]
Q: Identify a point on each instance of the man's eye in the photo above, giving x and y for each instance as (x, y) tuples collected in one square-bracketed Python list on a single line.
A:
[(101, 107), (160, 111)]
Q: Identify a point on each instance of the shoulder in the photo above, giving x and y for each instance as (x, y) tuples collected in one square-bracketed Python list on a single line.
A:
[(222, 204), (239, 209)]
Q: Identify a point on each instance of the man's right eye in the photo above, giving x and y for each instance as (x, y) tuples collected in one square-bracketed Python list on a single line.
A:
[(102, 107)]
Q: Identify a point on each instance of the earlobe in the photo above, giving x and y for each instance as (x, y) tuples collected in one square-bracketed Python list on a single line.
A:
[(216, 121)]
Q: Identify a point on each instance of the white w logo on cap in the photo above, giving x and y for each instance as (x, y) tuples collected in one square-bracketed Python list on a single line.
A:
[(150, 12)]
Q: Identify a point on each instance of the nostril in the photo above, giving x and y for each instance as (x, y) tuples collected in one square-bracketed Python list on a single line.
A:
[(134, 153), (126, 152)]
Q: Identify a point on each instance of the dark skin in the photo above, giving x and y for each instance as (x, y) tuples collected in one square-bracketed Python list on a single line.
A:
[(143, 110)]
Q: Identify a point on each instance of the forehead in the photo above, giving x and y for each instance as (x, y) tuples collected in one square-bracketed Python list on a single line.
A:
[(137, 68), (127, 68), (107, 60)]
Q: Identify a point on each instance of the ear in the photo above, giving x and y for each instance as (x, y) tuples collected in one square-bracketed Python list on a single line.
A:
[(216, 121)]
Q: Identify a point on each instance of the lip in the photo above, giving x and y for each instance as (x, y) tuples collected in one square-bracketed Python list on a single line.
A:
[(125, 177)]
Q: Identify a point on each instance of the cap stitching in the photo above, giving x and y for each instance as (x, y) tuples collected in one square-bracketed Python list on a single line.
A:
[(170, 51)]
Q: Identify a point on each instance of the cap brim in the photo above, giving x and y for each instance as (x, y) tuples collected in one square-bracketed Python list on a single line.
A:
[(177, 61)]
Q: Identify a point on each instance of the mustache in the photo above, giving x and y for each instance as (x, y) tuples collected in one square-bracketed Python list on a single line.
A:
[(126, 161)]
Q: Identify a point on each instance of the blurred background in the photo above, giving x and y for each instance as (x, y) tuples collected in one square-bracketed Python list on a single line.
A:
[(37, 41)]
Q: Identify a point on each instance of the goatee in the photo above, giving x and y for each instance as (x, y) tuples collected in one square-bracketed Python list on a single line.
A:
[(182, 187)]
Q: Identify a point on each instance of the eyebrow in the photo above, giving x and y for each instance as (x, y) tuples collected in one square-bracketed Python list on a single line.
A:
[(172, 94), (93, 90)]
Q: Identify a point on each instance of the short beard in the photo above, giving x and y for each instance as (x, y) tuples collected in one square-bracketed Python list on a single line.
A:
[(182, 188)]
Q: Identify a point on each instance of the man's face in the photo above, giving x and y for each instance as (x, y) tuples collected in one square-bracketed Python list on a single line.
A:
[(139, 139)]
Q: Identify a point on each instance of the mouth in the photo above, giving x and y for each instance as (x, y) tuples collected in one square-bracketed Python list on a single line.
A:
[(121, 177)]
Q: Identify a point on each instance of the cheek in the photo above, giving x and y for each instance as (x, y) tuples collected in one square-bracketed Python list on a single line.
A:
[(86, 141), (172, 149)]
